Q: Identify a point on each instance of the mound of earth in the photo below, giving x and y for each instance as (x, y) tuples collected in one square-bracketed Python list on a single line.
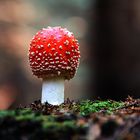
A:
[(83, 120)]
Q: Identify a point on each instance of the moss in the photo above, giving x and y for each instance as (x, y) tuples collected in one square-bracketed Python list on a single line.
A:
[(54, 122), (67, 121), (4, 113), (86, 107), (49, 122)]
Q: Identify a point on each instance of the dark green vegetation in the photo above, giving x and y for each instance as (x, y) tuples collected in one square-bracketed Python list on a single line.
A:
[(72, 121), (87, 107), (82, 108), (35, 125)]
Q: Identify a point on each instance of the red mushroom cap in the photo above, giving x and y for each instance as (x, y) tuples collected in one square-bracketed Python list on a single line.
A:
[(54, 52)]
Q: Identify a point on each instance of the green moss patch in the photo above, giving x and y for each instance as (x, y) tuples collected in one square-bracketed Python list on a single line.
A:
[(109, 106), (71, 120)]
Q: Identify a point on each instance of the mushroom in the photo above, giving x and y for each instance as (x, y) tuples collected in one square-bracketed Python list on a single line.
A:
[(54, 56)]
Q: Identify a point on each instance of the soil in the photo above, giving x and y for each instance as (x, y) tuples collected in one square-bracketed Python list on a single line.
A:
[(71, 121)]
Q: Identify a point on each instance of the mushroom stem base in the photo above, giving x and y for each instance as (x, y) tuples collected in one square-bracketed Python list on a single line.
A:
[(53, 91)]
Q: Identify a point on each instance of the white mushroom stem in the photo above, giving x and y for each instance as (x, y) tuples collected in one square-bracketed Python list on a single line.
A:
[(53, 91)]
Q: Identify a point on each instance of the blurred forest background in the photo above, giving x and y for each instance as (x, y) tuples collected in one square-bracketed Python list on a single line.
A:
[(109, 36)]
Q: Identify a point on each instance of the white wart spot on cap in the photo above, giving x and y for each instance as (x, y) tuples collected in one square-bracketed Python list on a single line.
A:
[(49, 45), (52, 62), (56, 58), (66, 42), (60, 47), (67, 52), (32, 53), (40, 54), (38, 59), (46, 63), (58, 72), (53, 49)]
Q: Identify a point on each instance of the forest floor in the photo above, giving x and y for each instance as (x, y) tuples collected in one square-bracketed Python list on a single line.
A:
[(83, 120)]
